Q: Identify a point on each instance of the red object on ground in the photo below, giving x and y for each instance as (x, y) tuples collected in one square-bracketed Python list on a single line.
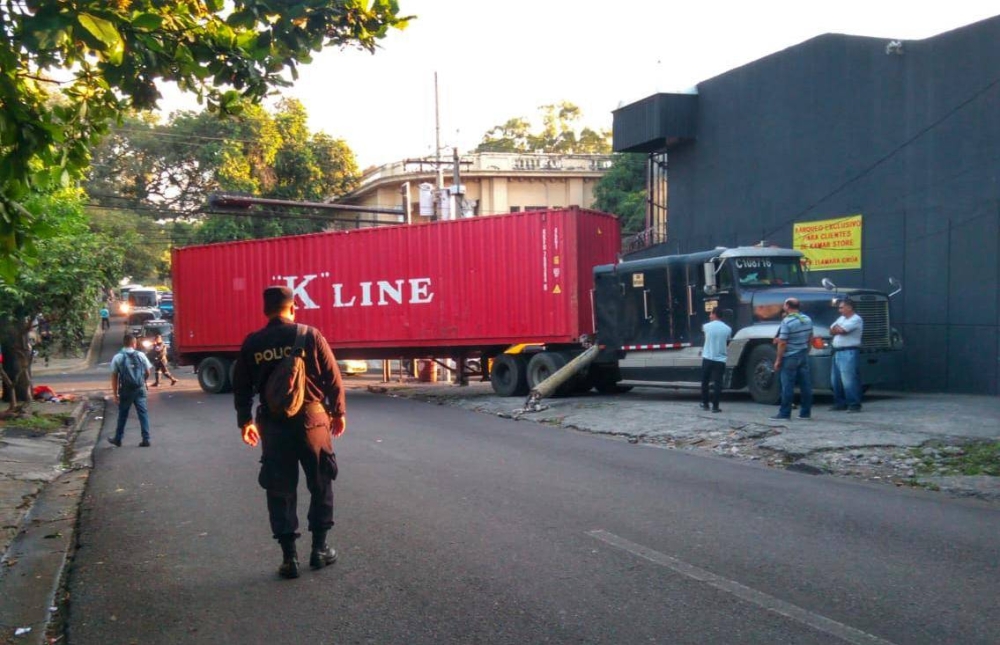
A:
[(40, 391), (471, 283)]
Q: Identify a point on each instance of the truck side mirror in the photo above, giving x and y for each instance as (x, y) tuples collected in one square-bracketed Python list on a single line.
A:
[(711, 286)]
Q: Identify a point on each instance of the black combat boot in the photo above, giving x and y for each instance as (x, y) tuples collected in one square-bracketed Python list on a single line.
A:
[(290, 563), (321, 554)]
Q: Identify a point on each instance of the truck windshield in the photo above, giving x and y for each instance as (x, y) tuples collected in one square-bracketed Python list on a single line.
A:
[(769, 272)]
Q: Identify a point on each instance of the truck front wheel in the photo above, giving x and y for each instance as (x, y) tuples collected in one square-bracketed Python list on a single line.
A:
[(762, 380), (509, 375), (213, 375)]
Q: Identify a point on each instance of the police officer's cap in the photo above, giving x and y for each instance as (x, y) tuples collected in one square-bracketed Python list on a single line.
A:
[(276, 299)]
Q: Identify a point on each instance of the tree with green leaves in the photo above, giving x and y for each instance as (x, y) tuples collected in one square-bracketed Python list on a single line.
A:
[(168, 170), (142, 243), (559, 134), (105, 58), (622, 191), (65, 287)]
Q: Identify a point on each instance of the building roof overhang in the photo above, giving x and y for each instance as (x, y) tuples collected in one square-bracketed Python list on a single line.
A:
[(655, 123)]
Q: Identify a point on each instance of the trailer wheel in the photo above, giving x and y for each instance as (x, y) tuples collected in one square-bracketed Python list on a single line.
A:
[(762, 380), (509, 375), (545, 364), (213, 375)]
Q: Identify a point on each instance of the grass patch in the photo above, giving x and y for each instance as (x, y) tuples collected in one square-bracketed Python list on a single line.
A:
[(37, 421), (978, 458)]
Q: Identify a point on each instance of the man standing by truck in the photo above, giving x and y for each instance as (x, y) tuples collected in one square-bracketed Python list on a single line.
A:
[(792, 361), (845, 378), (713, 358), (305, 438)]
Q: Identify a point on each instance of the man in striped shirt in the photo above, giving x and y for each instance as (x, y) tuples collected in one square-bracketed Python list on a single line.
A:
[(792, 361)]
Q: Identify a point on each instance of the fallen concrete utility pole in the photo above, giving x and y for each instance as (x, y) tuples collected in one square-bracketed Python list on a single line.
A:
[(550, 385)]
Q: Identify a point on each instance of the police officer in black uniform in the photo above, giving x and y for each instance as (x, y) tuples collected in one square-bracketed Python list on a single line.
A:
[(305, 439)]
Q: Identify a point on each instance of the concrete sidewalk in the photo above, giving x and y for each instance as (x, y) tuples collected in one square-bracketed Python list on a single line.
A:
[(43, 473)]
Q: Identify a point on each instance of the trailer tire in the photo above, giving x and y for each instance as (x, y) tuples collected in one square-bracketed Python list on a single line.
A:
[(509, 375), (545, 364), (213, 375), (762, 380)]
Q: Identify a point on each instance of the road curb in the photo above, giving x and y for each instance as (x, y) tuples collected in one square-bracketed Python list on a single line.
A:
[(35, 561)]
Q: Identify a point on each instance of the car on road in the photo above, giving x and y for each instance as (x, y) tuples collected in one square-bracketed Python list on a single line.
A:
[(353, 367), (137, 319), (148, 334), (167, 306)]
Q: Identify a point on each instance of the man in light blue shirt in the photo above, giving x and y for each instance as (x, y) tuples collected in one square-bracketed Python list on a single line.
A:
[(129, 370), (713, 358)]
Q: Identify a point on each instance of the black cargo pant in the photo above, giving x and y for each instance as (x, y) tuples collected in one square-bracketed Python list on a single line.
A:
[(711, 372), (306, 440)]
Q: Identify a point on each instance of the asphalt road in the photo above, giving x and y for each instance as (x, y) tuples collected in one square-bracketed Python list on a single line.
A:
[(457, 527)]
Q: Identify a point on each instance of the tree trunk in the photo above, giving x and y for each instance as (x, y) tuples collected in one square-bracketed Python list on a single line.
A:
[(16, 364)]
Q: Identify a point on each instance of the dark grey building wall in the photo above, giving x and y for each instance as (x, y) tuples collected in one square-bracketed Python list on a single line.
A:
[(836, 127)]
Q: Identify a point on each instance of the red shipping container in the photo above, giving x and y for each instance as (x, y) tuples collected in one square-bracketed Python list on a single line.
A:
[(381, 292)]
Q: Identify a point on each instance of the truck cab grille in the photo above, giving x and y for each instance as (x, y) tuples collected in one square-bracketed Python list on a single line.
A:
[(874, 311)]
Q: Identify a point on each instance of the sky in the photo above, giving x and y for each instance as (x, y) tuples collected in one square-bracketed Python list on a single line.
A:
[(496, 60)]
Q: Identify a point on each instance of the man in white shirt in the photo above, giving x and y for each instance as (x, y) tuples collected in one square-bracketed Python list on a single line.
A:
[(845, 377), (713, 358)]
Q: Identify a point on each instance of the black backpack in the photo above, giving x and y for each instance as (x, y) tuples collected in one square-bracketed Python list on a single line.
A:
[(131, 373), (284, 390)]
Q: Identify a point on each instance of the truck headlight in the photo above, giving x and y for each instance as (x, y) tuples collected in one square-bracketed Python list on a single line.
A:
[(820, 343), (146, 344), (896, 339)]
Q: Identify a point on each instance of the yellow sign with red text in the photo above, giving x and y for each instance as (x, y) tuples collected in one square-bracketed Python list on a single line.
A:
[(830, 244)]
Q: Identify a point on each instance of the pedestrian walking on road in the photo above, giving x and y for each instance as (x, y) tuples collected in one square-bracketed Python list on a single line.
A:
[(792, 360), (305, 439), (158, 354), (129, 371), (845, 375), (713, 358), (105, 318)]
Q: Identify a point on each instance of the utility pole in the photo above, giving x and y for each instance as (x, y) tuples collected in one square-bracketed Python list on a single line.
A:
[(407, 204), (437, 150), (457, 191)]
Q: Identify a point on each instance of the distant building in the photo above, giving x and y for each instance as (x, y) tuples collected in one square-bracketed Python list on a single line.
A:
[(493, 182)]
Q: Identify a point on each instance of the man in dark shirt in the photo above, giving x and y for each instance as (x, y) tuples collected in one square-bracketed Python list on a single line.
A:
[(286, 442), (158, 357)]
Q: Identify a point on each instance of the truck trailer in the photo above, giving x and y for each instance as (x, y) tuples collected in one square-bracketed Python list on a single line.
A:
[(532, 295), (452, 289)]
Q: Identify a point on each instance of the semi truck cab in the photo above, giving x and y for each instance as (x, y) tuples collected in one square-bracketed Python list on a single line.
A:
[(650, 312)]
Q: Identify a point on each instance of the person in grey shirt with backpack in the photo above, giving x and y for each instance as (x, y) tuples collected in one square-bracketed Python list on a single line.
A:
[(129, 370)]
